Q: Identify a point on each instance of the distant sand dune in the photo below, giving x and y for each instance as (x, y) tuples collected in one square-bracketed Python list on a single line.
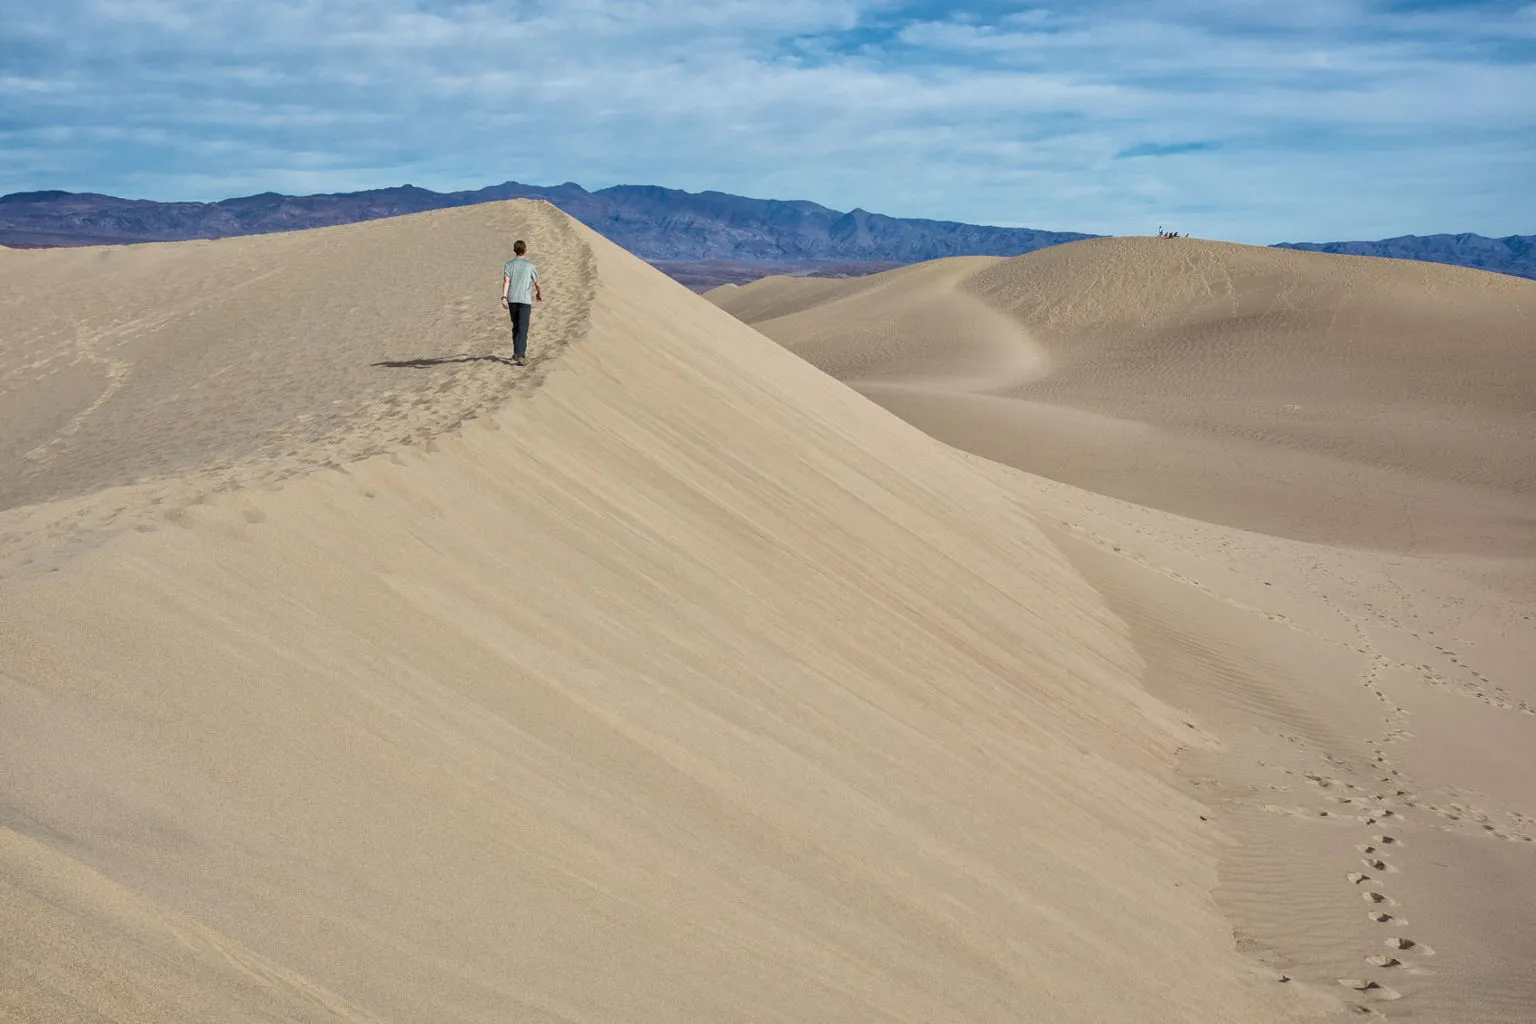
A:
[(1262, 388), (686, 686)]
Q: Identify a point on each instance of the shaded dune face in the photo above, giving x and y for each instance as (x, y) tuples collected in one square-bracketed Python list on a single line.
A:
[(666, 680), (1375, 403)]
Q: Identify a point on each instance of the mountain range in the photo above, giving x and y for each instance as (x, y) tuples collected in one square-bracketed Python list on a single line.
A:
[(654, 223), (1513, 254), (701, 239)]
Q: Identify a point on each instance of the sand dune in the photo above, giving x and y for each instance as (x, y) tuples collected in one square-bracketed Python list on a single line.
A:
[(669, 681), (1377, 403), (1331, 566)]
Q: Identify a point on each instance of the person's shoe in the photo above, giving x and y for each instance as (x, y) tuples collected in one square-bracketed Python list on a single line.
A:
[(519, 360)]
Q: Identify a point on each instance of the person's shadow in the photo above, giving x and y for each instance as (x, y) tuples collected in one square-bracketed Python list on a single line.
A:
[(427, 362)]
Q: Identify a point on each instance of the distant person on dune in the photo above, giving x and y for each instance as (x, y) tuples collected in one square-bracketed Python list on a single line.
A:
[(519, 291)]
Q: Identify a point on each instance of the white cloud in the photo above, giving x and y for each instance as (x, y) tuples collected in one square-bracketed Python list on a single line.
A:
[(1326, 118)]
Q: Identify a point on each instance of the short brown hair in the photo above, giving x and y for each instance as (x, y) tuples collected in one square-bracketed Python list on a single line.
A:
[(519, 247)]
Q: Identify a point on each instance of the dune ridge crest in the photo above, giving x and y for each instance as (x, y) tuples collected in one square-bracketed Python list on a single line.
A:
[(209, 368)]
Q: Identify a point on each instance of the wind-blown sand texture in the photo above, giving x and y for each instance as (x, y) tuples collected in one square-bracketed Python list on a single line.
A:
[(1331, 564), (669, 681), (348, 673)]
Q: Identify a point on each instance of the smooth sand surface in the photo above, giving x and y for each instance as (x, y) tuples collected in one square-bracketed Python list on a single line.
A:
[(1376, 403), (349, 674), (1305, 485)]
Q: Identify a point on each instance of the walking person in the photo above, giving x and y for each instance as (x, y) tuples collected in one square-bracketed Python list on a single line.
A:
[(519, 291)]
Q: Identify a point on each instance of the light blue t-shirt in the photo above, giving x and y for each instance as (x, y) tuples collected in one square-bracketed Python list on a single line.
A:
[(522, 273)]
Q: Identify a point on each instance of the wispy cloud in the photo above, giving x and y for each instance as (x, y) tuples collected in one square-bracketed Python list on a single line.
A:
[(1335, 118), (1165, 149)]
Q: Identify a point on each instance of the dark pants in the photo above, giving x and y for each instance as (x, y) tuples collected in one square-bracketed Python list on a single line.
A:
[(520, 312)]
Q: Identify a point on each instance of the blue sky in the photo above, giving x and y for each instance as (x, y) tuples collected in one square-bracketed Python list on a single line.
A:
[(1251, 120)]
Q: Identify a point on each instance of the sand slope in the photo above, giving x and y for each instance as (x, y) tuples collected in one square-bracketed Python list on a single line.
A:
[(1260, 388), (678, 683), (1347, 598)]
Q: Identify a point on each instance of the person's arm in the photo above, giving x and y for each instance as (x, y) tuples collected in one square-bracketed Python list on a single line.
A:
[(538, 296), (506, 282)]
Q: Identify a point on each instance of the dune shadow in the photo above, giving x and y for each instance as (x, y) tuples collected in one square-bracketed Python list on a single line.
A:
[(429, 361)]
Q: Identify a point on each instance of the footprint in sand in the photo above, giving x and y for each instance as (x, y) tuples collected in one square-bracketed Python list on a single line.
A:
[(1370, 989), (1382, 960), (1372, 896), (1382, 917), (1375, 990), (1356, 877)]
